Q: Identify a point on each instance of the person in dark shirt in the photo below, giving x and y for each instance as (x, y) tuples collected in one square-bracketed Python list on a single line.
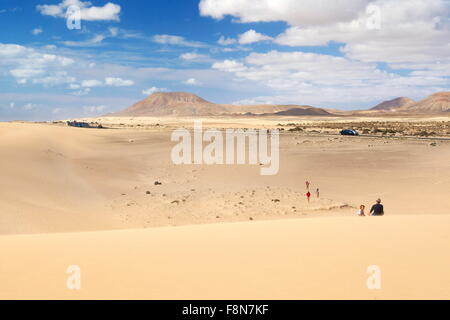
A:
[(377, 209)]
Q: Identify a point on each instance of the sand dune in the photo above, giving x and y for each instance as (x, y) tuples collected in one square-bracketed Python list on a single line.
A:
[(88, 197), (60, 179), (292, 259)]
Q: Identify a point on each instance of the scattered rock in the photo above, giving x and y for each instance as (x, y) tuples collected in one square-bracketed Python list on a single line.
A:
[(148, 192), (251, 219), (433, 144), (175, 202), (276, 200), (157, 183)]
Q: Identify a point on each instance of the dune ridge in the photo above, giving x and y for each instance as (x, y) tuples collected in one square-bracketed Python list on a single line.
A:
[(291, 259)]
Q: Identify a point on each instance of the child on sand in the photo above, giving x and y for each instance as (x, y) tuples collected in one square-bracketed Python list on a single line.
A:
[(361, 211), (308, 195)]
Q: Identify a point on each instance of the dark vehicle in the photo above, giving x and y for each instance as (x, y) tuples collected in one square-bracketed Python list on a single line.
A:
[(349, 132), (77, 124)]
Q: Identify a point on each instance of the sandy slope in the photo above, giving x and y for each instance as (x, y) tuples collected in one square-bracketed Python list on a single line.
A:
[(291, 259), (59, 180)]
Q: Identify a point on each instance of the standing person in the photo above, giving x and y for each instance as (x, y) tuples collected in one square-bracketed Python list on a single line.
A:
[(377, 209), (307, 185), (361, 211), (318, 193), (308, 195)]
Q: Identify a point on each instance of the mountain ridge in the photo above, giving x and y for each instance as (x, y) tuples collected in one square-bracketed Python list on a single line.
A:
[(162, 104), (188, 104)]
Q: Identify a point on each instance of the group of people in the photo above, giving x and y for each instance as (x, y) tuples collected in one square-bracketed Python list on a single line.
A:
[(308, 194), (376, 210)]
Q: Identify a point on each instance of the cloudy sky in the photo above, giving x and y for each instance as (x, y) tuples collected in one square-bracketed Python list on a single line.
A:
[(329, 53)]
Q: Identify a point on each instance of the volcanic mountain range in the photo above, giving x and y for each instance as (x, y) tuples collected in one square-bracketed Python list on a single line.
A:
[(186, 104)]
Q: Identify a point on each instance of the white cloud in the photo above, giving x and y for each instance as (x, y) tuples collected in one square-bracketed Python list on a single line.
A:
[(57, 78), (409, 37), (407, 31), (113, 31), (192, 82), (25, 73), (226, 41), (109, 82), (298, 77), (28, 64), (37, 31), (176, 41), (152, 90), (192, 56), (109, 12), (97, 39), (91, 83), (229, 66), (372, 30), (294, 12), (82, 92), (94, 41), (251, 36), (118, 82)]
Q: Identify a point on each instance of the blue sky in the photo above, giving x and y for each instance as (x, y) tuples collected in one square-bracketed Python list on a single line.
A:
[(321, 53)]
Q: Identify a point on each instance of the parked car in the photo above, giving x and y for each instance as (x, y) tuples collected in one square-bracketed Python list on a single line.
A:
[(349, 132)]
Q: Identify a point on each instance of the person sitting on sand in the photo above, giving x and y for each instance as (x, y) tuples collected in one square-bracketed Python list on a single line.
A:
[(361, 211), (377, 209)]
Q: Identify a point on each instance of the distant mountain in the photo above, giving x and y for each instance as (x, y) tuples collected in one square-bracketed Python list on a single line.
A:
[(188, 104), (304, 111), (436, 103), (172, 104), (394, 104)]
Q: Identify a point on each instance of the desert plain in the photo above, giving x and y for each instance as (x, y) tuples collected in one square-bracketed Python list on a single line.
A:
[(112, 202)]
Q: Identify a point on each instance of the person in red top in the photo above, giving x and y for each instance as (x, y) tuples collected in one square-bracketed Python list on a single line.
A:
[(308, 195)]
